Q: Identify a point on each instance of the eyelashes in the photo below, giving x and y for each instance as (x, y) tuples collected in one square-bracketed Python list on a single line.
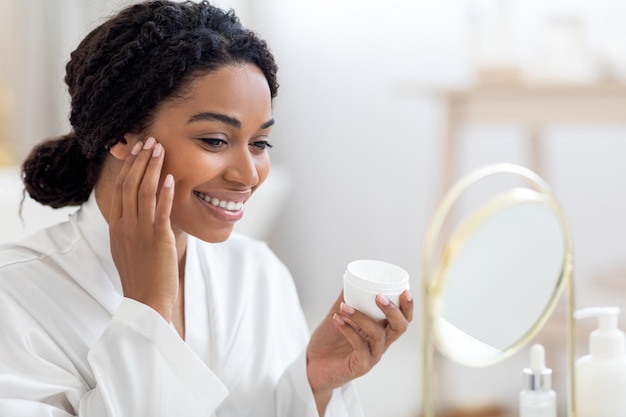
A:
[(262, 144), (216, 143), (213, 142)]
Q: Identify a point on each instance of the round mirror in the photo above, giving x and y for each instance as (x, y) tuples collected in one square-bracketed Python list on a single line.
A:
[(501, 276), (492, 278)]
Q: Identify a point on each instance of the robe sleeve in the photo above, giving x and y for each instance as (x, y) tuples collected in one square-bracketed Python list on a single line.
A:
[(140, 366), (295, 398)]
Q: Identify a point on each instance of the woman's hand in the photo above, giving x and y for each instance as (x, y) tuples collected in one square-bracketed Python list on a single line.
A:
[(142, 241), (348, 343)]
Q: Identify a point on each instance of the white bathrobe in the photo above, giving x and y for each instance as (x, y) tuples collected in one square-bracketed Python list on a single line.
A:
[(71, 344)]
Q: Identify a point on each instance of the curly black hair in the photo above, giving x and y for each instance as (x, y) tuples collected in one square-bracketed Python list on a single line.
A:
[(119, 74)]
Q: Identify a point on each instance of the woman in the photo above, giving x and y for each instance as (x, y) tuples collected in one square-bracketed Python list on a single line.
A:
[(143, 304)]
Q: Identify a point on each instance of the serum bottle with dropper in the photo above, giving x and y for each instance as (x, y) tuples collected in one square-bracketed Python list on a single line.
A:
[(537, 399)]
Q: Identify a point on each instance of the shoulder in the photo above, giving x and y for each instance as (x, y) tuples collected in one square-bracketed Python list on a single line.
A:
[(47, 243), (50, 258), (37, 270)]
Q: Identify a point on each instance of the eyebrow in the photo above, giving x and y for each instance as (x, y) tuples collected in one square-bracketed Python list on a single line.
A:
[(231, 121)]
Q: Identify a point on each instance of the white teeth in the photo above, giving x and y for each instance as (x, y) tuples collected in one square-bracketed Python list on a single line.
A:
[(228, 205)]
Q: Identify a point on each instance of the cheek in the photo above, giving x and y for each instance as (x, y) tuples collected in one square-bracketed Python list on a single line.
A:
[(183, 165), (184, 177)]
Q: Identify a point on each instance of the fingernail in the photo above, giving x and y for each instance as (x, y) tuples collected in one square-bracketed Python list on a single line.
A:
[(136, 148), (168, 181), (149, 143), (409, 296), (338, 319), (382, 299), (346, 308), (157, 150)]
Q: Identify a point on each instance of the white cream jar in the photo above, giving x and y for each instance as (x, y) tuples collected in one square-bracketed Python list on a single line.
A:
[(366, 278)]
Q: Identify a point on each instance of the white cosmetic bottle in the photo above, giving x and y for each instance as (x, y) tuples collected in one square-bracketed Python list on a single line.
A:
[(601, 375), (537, 399)]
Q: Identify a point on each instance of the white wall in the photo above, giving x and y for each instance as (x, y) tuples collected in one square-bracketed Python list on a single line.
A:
[(364, 156)]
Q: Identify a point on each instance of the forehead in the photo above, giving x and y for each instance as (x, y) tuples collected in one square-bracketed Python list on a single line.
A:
[(237, 89)]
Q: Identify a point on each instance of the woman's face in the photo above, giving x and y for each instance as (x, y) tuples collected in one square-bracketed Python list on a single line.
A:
[(216, 146)]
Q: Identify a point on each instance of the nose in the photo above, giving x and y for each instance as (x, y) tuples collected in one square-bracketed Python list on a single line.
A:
[(242, 168)]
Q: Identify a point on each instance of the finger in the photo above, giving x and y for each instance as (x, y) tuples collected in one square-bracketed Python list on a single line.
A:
[(351, 333), (354, 317), (147, 195), (164, 204), (133, 180), (371, 330), (397, 322), (407, 305), (118, 188)]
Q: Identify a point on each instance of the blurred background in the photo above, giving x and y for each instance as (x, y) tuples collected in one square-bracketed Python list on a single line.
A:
[(369, 135)]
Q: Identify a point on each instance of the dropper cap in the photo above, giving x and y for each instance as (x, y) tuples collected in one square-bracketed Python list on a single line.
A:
[(607, 341), (538, 377)]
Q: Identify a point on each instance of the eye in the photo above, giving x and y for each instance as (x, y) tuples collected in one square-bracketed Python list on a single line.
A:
[(261, 144), (213, 142)]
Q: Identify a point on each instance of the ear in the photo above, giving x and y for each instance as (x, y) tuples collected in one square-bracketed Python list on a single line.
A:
[(122, 149)]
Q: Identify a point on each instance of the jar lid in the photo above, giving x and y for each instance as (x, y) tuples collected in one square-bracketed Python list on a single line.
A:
[(374, 275)]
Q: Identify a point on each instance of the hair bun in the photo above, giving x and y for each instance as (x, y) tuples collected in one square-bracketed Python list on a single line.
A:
[(57, 174)]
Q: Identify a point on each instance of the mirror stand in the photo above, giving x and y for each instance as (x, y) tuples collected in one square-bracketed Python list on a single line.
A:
[(434, 269)]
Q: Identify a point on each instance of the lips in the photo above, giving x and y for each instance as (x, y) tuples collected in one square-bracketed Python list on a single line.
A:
[(224, 204)]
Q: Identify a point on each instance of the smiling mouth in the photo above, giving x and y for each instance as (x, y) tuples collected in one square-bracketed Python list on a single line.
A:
[(226, 205)]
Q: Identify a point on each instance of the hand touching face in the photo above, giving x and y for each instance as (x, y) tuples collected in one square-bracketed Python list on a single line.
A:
[(203, 155), (215, 135)]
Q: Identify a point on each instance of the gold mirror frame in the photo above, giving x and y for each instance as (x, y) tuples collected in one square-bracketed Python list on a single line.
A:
[(433, 276)]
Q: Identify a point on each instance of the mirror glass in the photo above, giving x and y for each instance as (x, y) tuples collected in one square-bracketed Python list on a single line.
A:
[(500, 276)]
